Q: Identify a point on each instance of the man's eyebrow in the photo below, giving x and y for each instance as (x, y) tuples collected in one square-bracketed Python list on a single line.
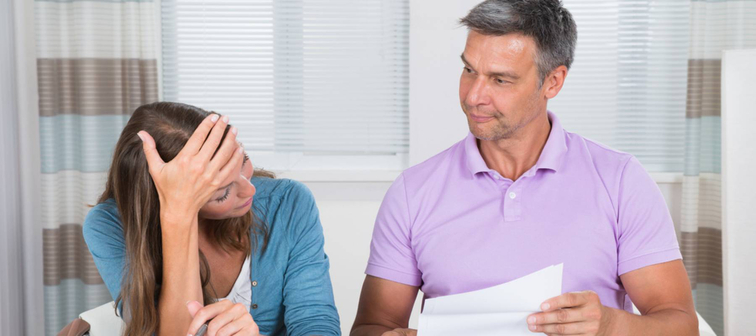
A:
[(464, 60), (507, 74)]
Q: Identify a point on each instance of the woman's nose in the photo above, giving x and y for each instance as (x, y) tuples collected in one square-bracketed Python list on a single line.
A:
[(246, 189)]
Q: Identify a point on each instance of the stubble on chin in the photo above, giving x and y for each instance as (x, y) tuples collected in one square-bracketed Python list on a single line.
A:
[(499, 131)]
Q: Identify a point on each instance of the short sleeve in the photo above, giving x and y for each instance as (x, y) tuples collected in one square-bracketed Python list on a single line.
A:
[(104, 237), (391, 254), (646, 231)]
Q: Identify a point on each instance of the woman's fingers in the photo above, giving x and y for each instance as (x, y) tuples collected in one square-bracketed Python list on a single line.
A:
[(213, 140), (243, 326), (195, 142), (194, 307), (230, 167), (206, 313), (154, 161), (223, 320), (225, 152)]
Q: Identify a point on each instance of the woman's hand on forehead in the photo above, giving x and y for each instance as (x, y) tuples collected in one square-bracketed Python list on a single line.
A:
[(189, 180)]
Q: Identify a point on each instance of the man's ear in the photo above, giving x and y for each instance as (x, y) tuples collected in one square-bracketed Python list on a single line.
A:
[(554, 81)]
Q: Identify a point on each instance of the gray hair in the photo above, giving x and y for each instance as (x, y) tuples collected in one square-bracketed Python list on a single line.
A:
[(546, 21)]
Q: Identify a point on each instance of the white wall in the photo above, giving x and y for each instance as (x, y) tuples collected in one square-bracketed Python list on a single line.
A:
[(436, 42), (738, 185)]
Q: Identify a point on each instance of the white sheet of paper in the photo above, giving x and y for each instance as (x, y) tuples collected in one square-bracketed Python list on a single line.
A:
[(498, 310)]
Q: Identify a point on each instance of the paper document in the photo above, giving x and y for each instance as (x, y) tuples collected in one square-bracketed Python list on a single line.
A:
[(498, 310)]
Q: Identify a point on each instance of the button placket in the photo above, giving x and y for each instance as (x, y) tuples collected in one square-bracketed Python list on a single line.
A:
[(512, 199), (506, 186)]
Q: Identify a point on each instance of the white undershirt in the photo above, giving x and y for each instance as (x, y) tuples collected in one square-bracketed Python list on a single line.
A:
[(242, 290)]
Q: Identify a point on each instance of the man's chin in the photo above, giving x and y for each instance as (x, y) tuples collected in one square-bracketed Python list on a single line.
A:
[(487, 134)]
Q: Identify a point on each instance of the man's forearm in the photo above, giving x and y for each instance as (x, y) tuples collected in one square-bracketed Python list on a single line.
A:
[(369, 330), (669, 321)]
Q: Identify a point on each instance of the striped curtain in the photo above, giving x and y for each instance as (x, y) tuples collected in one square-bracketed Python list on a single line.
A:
[(716, 25), (96, 62)]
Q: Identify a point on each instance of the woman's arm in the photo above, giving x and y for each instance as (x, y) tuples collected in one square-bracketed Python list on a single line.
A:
[(184, 185), (181, 274), (104, 237), (308, 294)]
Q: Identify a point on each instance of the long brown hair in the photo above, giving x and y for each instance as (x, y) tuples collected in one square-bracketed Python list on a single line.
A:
[(130, 184)]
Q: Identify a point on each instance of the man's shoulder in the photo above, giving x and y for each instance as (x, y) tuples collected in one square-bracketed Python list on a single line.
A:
[(437, 166), (604, 159)]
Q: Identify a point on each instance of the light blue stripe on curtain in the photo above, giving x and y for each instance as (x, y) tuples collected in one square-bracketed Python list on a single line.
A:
[(705, 143), (709, 301), (65, 301), (76, 142)]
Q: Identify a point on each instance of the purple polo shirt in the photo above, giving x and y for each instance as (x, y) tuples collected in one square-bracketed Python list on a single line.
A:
[(452, 225)]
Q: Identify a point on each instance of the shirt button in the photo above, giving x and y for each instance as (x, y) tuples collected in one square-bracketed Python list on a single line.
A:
[(512, 195), (254, 306), (254, 283)]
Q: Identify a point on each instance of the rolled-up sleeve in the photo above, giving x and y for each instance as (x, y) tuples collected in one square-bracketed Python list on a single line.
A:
[(307, 289)]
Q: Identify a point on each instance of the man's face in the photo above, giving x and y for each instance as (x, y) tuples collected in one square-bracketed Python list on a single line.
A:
[(499, 87)]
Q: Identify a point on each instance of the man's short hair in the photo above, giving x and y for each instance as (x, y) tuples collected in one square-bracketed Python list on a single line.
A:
[(546, 21)]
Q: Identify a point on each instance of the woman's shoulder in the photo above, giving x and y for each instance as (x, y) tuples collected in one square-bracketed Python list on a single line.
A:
[(102, 220), (279, 189), (285, 203)]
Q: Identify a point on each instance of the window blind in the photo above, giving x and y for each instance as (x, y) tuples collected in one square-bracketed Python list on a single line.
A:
[(627, 87), (318, 81)]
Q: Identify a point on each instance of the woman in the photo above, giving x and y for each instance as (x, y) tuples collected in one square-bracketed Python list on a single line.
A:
[(177, 229)]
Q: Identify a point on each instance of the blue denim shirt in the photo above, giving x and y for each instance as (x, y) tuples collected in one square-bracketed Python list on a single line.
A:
[(292, 293)]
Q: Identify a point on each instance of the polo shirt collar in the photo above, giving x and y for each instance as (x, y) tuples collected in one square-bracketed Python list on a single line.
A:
[(551, 157)]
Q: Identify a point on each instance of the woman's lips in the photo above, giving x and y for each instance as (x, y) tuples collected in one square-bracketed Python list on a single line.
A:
[(246, 204)]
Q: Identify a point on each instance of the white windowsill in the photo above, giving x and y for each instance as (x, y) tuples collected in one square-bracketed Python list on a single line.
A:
[(667, 177), (337, 176)]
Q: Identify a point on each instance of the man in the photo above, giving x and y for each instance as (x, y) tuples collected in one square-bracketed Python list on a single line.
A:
[(520, 193)]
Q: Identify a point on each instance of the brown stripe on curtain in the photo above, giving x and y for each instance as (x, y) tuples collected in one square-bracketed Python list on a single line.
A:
[(704, 94), (89, 86), (702, 256), (66, 256)]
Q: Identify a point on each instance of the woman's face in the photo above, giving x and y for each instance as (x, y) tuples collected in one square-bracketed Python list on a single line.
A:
[(234, 199)]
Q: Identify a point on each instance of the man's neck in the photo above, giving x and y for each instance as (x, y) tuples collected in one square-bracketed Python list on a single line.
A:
[(513, 156)]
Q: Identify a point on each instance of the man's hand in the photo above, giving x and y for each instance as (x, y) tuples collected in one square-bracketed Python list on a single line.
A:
[(401, 332), (577, 313)]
